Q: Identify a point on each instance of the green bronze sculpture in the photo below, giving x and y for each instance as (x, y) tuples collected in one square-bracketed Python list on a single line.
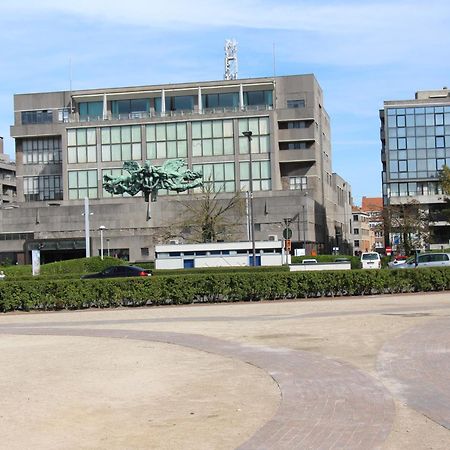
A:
[(173, 175)]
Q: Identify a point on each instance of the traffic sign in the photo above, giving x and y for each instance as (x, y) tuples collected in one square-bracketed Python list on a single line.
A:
[(287, 245), (287, 233)]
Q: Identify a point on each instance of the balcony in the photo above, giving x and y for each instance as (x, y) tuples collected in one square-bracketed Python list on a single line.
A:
[(286, 156), (75, 118)]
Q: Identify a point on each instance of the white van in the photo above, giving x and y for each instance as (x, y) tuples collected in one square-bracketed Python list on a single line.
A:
[(370, 260)]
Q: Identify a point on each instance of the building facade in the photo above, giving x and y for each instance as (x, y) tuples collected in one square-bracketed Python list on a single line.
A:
[(415, 138), (7, 178), (373, 207), (67, 141), (363, 236)]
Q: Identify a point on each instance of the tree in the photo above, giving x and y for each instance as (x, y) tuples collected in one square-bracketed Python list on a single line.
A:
[(209, 216), (410, 222), (444, 181)]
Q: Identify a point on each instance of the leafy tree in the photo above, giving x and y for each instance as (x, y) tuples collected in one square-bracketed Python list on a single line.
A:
[(444, 181)]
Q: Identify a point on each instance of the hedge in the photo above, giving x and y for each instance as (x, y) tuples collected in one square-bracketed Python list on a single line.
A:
[(47, 294)]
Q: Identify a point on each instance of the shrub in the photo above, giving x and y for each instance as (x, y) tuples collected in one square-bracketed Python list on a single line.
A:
[(53, 294)]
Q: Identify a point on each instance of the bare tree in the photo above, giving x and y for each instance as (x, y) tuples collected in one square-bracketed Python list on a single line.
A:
[(209, 216), (410, 222)]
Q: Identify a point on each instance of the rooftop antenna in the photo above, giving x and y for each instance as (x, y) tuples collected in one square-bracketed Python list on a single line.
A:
[(70, 84), (231, 60)]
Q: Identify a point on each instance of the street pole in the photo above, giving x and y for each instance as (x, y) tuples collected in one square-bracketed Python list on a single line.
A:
[(248, 135), (101, 228), (86, 227), (107, 244), (304, 227)]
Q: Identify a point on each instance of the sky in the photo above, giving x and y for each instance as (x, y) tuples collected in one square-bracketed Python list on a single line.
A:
[(362, 53)]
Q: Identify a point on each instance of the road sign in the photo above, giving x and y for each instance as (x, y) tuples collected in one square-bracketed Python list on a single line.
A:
[(288, 244), (287, 233)]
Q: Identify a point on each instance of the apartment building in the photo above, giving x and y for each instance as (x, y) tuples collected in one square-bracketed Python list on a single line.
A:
[(415, 138), (67, 141), (363, 236), (373, 207)]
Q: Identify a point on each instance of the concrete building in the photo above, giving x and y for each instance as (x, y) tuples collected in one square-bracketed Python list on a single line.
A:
[(67, 141), (7, 178), (415, 137)]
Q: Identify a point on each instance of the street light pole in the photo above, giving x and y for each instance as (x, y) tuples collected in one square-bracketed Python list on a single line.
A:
[(107, 245), (248, 135), (86, 227), (101, 228)]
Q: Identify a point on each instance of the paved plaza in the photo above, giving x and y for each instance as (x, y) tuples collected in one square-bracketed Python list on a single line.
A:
[(352, 373)]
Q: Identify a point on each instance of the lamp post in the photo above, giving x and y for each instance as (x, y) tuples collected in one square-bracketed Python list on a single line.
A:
[(86, 227), (102, 228), (107, 245), (248, 135)]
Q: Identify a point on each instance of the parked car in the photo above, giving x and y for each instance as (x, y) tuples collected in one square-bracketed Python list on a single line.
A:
[(120, 271), (370, 260), (397, 261), (425, 260), (309, 261), (342, 260)]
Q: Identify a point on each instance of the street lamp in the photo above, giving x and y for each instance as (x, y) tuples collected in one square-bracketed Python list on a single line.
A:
[(102, 228), (86, 215), (107, 245), (248, 135)]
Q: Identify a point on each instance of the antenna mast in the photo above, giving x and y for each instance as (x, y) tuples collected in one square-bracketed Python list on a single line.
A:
[(231, 60)]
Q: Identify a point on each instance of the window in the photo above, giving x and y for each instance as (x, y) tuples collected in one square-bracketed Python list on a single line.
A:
[(221, 175), (356, 243), (355, 218), (294, 145), (260, 175), (130, 108), (355, 230), (226, 100), (259, 126), (81, 145), (42, 151), (212, 138), (42, 188), (296, 103), (293, 124), (121, 143), (166, 140), (82, 183), (440, 141), (178, 103), (90, 111), (39, 116), (298, 183), (257, 98)]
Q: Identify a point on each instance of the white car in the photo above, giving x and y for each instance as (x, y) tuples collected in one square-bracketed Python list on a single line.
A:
[(370, 260)]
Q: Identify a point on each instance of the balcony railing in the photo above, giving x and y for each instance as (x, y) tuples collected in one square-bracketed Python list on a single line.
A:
[(153, 114)]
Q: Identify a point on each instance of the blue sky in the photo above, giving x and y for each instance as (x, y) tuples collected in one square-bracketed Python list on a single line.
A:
[(362, 53)]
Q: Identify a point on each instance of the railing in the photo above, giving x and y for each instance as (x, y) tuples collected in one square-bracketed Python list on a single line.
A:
[(179, 113)]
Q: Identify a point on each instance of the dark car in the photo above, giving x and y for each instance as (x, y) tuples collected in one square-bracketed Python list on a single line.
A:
[(120, 271)]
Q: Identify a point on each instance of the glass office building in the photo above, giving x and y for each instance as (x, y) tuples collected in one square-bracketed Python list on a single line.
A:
[(415, 137)]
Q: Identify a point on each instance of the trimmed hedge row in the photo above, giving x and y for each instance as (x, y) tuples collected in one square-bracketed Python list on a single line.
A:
[(78, 294)]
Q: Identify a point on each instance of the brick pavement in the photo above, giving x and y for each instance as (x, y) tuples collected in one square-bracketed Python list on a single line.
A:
[(326, 404), (416, 368)]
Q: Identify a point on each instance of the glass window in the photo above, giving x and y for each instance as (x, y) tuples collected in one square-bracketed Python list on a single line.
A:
[(296, 103), (440, 141), (43, 150)]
